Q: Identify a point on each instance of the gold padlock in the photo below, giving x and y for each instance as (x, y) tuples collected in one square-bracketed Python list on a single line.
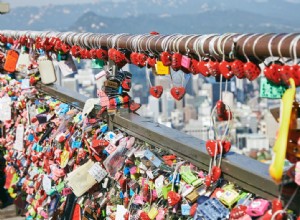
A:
[(193, 196)]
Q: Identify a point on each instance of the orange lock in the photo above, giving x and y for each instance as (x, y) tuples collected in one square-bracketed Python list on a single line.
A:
[(11, 61)]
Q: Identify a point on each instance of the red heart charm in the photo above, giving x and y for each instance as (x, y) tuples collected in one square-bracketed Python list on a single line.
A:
[(151, 62), (226, 146), (296, 75), (285, 74), (213, 68), (225, 69), (156, 91), (238, 212), (142, 59), (194, 66), (176, 61), (134, 58), (272, 73), (102, 54), (237, 68), (173, 198), (202, 68), (251, 70), (166, 58), (178, 92), (221, 108), (193, 209), (207, 181), (215, 173), (211, 146)]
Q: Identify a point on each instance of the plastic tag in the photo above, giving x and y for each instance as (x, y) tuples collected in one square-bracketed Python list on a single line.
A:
[(150, 156), (161, 69), (60, 187), (271, 90), (159, 183), (19, 143), (185, 62), (67, 67), (97, 64), (5, 109), (89, 106), (25, 84), (97, 172), (185, 209), (47, 184), (166, 190)]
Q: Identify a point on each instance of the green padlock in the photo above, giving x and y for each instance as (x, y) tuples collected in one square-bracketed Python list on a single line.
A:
[(165, 190), (97, 64), (270, 90)]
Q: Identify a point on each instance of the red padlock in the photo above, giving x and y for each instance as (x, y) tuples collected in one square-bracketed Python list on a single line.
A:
[(194, 66), (156, 91), (212, 147), (134, 58), (215, 173), (142, 58), (203, 69), (176, 61), (213, 68), (75, 50), (207, 181), (144, 216), (221, 109), (272, 73), (251, 70), (173, 198), (237, 212), (276, 206), (225, 69), (102, 54), (151, 61), (166, 58), (296, 75)]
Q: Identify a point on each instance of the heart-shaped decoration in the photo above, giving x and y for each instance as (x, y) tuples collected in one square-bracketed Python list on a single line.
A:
[(221, 108), (238, 212), (176, 61), (237, 68), (211, 146), (296, 75), (156, 91), (142, 58), (102, 54), (213, 68), (202, 68), (194, 66), (134, 57), (216, 173), (173, 198), (285, 74), (225, 69), (151, 61), (134, 106), (207, 181), (166, 58), (226, 146), (251, 70), (178, 92)]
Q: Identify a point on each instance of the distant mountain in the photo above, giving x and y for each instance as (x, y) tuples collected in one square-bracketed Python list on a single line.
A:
[(211, 21), (166, 16)]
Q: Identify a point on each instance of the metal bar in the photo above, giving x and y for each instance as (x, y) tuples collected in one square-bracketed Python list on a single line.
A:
[(255, 45), (249, 174)]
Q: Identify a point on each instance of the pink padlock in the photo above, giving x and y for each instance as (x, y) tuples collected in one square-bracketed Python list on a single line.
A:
[(161, 214), (66, 191), (257, 207)]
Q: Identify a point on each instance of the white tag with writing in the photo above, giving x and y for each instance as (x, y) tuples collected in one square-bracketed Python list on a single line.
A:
[(97, 172), (46, 183), (19, 143), (5, 109)]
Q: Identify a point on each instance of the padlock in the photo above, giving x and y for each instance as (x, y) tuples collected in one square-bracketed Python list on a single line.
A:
[(166, 58), (229, 197), (176, 61), (11, 61), (153, 212), (257, 207), (251, 70), (213, 68), (225, 69)]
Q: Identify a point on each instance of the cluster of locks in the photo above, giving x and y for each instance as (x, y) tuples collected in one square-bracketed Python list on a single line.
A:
[(63, 164)]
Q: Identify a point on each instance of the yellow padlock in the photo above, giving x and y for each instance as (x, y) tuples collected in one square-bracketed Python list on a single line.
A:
[(153, 212)]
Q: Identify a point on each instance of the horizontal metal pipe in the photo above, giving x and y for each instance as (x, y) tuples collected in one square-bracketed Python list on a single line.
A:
[(257, 46)]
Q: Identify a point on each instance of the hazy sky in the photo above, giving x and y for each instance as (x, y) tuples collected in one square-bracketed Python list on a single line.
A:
[(16, 3)]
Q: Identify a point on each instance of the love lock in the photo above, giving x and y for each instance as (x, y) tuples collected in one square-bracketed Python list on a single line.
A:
[(166, 58), (237, 68), (23, 40), (194, 66), (226, 146), (134, 58), (277, 206), (173, 198), (207, 181), (251, 70), (178, 92), (75, 51), (213, 68), (111, 54), (156, 91), (151, 61), (238, 212), (221, 109), (297, 76), (176, 61), (142, 59), (211, 146), (102, 54), (216, 173), (272, 72), (225, 69), (93, 53), (203, 69)]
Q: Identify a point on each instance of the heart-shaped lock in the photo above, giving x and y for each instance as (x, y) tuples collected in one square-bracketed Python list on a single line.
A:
[(194, 66), (213, 68), (221, 109), (178, 92), (151, 61), (57, 46), (142, 59), (272, 73), (75, 50), (296, 75), (276, 206), (211, 146), (3, 39), (102, 54), (226, 146), (134, 58), (23, 40), (237, 68), (93, 53), (207, 181), (238, 212), (225, 69), (285, 74), (156, 91), (65, 48), (126, 84), (176, 61), (173, 198), (166, 58), (111, 54), (215, 173), (251, 70), (203, 69)]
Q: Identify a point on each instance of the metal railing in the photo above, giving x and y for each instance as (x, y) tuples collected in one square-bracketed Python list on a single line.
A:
[(248, 173)]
